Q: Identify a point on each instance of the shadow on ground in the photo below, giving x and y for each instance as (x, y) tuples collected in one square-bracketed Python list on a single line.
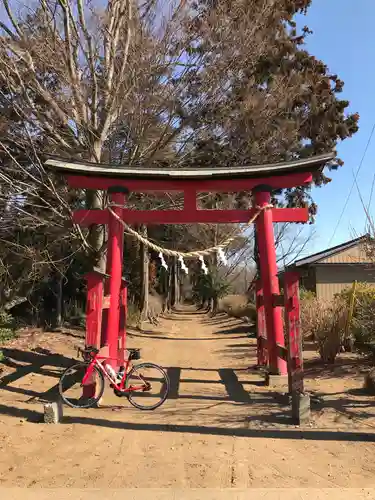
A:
[(309, 435), (238, 390), (41, 361)]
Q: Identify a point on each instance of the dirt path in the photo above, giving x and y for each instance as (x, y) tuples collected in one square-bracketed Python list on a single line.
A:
[(220, 428)]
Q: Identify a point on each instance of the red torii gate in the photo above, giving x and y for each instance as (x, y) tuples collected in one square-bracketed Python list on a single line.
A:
[(260, 180)]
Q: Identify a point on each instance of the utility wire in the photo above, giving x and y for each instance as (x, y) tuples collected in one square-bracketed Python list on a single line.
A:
[(370, 199), (353, 184)]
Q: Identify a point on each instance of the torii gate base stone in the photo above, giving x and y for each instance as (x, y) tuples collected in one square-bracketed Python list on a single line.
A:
[(107, 297)]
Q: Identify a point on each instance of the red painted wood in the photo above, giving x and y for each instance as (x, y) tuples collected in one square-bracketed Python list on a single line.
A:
[(94, 309), (115, 253), (93, 321), (223, 185), (293, 329), (123, 315), (268, 272), (261, 327), (86, 218), (190, 201), (106, 301)]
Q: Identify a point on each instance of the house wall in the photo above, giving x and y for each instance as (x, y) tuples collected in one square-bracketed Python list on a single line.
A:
[(333, 279), (351, 255)]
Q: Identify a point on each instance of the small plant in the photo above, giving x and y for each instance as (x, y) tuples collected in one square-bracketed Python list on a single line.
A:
[(324, 322), (370, 381), (133, 315), (7, 326), (363, 321), (2, 357), (306, 294), (331, 331), (211, 287)]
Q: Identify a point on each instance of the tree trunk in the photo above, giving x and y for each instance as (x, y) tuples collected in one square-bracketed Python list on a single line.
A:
[(144, 275), (59, 300), (169, 289), (96, 236), (176, 287), (214, 304), (166, 290)]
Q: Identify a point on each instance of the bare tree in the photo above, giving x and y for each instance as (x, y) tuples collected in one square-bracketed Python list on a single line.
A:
[(86, 80), (153, 82)]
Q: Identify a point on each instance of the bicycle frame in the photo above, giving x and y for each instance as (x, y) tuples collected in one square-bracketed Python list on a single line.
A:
[(96, 361)]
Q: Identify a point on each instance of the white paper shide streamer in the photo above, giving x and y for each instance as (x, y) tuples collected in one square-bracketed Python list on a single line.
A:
[(163, 263), (183, 265), (203, 264), (221, 256)]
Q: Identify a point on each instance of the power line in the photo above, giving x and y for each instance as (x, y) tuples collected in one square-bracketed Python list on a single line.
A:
[(353, 184), (371, 193)]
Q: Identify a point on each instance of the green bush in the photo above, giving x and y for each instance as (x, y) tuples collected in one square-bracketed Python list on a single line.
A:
[(7, 326), (210, 286), (306, 294), (363, 321), (363, 292)]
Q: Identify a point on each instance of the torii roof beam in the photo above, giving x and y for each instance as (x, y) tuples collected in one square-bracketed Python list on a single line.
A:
[(161, 178), (190, 181)]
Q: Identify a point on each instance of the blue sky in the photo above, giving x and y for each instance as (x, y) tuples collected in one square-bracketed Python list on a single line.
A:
[(344, 38)]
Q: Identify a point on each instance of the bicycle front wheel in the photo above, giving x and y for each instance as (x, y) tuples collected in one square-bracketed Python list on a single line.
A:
[(150, 385), (77, 395)]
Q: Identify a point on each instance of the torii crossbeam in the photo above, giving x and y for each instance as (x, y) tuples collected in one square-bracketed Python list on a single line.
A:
[(260, 180)]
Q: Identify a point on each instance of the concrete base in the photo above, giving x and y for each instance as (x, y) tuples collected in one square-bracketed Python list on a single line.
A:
[(301, 408), (277, 382), (53, 412)]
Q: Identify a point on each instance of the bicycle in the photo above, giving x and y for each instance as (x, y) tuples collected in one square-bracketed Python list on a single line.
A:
[(92, 372)]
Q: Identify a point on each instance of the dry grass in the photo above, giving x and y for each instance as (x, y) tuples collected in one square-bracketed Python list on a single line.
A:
[(324, 322)]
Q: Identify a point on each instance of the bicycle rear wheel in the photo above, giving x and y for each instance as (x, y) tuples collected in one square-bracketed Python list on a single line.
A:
[(76, 395), (151, 383)]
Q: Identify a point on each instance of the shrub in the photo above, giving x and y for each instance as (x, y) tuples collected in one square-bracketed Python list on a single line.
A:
[(7, 326), (363, 321), (370, 381), (363, 292), (324, 322), (133, 315), (309, 319), (306, 294), (331, 330)]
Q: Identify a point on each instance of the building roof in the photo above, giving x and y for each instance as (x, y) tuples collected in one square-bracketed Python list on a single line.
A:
[(317, 257), (311, 164)]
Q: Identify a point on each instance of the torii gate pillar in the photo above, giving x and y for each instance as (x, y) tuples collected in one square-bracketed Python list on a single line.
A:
[(270, 281), (115, 249)]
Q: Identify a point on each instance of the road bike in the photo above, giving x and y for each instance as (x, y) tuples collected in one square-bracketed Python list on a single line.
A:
[(135, 382)]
